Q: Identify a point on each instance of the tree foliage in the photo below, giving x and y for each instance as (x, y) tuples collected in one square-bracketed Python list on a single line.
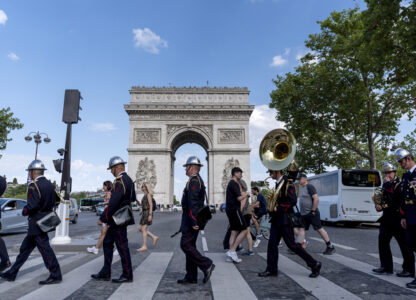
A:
[(7, 124), (345, 100)]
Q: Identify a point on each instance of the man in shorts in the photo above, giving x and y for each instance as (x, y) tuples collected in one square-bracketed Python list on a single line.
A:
[(259, 209), (235, 200), (309, 210)]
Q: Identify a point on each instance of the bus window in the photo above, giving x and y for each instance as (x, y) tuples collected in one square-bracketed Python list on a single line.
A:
[(360, 178), (326, 185)]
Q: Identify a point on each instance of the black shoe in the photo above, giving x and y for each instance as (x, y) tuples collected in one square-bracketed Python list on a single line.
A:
[(329, 250), (316, 270), (382, 271), (7, 277), (405, 274), (50, 280), (5, 265), (122, 279), (101, 277), (267, 274), (187, 281), (207, 273), (411, 285)]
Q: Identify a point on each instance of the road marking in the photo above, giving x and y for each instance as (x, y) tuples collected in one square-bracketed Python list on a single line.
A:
[(338, 245), (71, 281), (395, 259), (319, 287), (28, 276), (220, 280), (367, 269), (146, 278)]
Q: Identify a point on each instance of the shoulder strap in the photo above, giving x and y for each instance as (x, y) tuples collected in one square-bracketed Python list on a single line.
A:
[(37, 188)]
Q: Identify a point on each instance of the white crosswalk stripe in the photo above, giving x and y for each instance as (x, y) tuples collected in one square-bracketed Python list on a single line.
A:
[(71, 282), (335, 244), (220, 280), (367, 268), (320, 287), (38, 261), (146, 278), (395, 259)]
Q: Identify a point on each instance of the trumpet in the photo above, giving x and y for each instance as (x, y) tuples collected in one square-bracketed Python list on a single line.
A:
[(277, 151)]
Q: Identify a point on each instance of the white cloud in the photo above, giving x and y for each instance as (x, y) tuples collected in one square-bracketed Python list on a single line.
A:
[(148, 40), (287, 51), (103, 127), (3, 17), (278, 61), (12, 56)]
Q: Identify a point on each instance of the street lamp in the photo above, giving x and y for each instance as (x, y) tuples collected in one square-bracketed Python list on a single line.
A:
[(37, 138)]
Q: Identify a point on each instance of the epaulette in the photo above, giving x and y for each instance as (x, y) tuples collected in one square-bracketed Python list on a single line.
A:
[(194, 178), (32, 185), (119, 179), (289, 183)]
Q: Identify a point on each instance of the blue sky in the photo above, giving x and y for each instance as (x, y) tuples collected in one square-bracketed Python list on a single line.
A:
[(103, 48)]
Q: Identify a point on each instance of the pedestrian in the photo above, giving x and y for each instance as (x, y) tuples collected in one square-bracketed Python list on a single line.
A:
[(107, 186), (122, 194), (390, 226), (247, 211), (192, 201), (308, 202), (259, 209), (4, 256), (281, 227), (147, 216), (41, 197), (235, 200), (408, 200)]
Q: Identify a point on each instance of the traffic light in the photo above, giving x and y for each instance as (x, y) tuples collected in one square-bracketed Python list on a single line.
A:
[(58, 164), (71, 107)]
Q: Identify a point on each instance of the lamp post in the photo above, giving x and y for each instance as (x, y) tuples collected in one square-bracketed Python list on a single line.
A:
[(37, 138)]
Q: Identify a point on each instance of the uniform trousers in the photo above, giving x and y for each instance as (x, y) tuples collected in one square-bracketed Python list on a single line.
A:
[(194, 259), (40, 241), (286, 232), (387, 231), (4, 256), (411, 236), (118, 236)]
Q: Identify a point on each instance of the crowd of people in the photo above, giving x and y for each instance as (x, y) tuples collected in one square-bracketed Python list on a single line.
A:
[(398, 220)]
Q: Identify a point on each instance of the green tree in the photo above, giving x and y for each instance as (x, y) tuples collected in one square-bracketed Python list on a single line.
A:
[(175, 201), (14, 180), (347, 97), (7, 124), (18, 191)]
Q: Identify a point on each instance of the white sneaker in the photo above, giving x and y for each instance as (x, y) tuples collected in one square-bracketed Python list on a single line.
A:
[(280, 244), (92, 250), (234, 256), (256, 243), (228, 259), (259, 235), (115, 252)]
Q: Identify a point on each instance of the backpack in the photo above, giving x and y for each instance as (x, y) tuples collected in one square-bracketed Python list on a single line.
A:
[(153, 204)]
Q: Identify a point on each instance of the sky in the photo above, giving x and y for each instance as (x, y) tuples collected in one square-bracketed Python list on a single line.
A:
[(103, 48)]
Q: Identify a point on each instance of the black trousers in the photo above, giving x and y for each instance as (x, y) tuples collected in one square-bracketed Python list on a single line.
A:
[(387, 231), (41, 242), (411, 236), (4, 256), (194, 259), (118, 236), (286, 232)]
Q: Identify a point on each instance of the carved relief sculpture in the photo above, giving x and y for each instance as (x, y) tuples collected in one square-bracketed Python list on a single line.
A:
[(146, 172), (226, 177), (147, 136), (231, 136)]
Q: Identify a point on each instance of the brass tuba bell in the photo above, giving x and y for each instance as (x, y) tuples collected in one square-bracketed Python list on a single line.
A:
[(277, 149)]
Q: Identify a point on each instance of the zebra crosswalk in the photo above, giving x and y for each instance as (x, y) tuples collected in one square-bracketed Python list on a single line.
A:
[(228, 281)]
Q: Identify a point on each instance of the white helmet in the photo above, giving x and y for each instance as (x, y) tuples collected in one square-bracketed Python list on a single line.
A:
[(400, 154), (114, 161), (36, 165)]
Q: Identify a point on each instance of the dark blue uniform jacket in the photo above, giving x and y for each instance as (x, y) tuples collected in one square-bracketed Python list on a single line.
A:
[(286, 200), (408, 203), (122, 194), (392, 194), (40, 202), (192, 201)]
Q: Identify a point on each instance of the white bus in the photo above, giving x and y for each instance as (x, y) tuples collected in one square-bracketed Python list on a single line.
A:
[(345, 195)]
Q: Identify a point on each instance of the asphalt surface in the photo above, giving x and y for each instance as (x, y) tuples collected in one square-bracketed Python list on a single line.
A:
[(354, 245)]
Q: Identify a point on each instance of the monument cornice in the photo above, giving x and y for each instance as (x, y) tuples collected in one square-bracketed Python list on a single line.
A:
[(188, 90), (188, 109)]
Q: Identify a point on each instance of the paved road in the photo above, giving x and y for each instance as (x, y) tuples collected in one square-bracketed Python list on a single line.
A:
[(345, 275)]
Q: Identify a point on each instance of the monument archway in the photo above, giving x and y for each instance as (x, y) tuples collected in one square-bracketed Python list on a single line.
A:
[(163, 119)]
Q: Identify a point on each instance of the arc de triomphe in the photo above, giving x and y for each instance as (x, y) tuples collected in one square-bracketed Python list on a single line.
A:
[(163, 119)]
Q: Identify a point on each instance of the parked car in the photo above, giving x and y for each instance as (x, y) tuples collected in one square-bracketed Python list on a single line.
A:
[(11, 219), (222, 207), (134, 206), (177, 208), (99, 208), (212, 209)]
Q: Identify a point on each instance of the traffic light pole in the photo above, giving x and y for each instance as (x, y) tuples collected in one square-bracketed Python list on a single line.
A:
[(66, 171)]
